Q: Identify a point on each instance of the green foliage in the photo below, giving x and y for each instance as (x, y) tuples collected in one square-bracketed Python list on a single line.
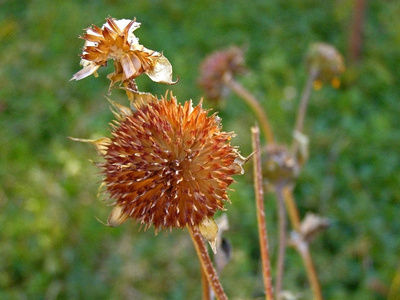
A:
[(53, 247)]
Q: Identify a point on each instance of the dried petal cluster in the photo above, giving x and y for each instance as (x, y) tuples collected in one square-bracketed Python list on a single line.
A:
[(115, 40), (167, 165), (216, 66), (328, 63)]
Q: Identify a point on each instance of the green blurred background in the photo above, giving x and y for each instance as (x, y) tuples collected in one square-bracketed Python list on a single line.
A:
[(52, 246)]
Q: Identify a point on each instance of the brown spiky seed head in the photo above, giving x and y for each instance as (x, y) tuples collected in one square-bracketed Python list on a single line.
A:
[(218, 64), (169, 165)]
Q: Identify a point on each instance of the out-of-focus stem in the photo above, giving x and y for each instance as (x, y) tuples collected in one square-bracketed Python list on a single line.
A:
[(262, 228), (282, 239), (291, 207), (301, 113), (302, 246), (303, 249), (206, 263), (356, 35), (254, 104)]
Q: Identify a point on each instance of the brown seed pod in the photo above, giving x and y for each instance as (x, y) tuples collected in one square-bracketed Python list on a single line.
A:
[(168, 165)]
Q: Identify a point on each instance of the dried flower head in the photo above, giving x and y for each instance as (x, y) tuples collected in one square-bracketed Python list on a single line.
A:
[(327, 62), (167, 165), (312, 225), (279, 166), (216, 66), (115, 40)]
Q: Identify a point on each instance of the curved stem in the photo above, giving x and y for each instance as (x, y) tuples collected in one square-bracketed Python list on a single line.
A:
[(294, 215), (303, 248), (301, 113), (254, 104), (262, 228), (206, 263), (312, 275), (282, 239)]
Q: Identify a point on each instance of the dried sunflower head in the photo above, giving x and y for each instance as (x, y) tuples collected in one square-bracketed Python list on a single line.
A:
[(115, 40), (167, 165)]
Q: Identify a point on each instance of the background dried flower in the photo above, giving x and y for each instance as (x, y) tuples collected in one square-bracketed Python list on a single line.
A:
[(214, 68), (327, 62), (279, 166)]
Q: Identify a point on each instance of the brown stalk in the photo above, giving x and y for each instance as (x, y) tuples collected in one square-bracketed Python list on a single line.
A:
[(206, 263), (301, 113), (288, 191), (205, 286), (282, 239), (303, 248), (254, 104), (262, 228), (291, 207), (312, 274), (356, 31)]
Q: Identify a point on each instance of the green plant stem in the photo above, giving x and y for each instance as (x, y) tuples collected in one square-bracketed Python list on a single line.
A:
[(206, 263), (282, 239), (301, 113), (262, 228), (254, 104)]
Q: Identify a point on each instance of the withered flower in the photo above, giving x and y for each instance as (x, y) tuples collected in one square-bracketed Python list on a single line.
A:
[(115, 40), (167, 164), (312, 225), (279, 166), (327, 62), (216, 66)]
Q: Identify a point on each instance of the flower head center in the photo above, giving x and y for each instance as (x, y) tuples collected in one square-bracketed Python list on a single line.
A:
[(116, 52), (178, 171)]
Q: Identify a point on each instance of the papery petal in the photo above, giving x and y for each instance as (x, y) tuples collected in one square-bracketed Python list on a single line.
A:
[(131, 65), (161, 71), (92, 38), (112, 25), (94, 29), (109, 34), (93, 48), (209, 230), (121, 111), (127, 27), (117, 216), (100, 144), (87, 70)]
